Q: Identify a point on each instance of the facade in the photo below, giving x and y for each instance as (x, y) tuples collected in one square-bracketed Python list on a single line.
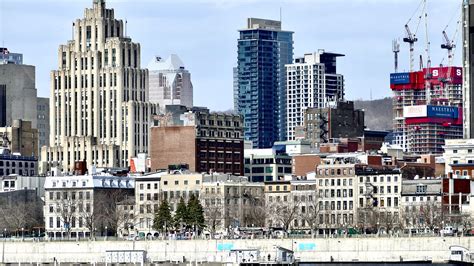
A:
[(43, 122), (6, 57), (262, 165), (16, 182), (263, 50), (203, 140), (99, 96), (336, 184), (17, 164), (306, 81), (17, 94), (232, 201), (170, 82), (467, 57), (339, 121), (292, 204), (20, 138), (147, 200), (84, 206), (379, 190), (426, 107), (456, 153), (421, 204), (179, 185)]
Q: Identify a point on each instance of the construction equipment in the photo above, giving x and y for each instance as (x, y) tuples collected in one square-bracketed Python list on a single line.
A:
[(410, 39), (449, 46), (396, 50)]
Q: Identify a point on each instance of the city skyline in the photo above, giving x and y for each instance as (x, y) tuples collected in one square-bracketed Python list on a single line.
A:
[(212, 66)]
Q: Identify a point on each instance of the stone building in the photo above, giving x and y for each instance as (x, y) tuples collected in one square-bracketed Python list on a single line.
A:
[(20, 138), (204, 140), (379, 190), (292, 204), (84, 206), (232, 201), (99, 96), (43, 122)]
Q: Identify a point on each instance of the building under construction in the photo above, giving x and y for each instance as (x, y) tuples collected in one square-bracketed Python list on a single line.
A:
[(427, 108)]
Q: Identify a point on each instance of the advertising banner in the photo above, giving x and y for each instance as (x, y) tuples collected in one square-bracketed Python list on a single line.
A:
[(442, 111), (400, 78), (414, 111)]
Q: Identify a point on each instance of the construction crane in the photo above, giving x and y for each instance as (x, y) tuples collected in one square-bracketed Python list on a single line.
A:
[(396, 50), (449, 46), (410, 39)]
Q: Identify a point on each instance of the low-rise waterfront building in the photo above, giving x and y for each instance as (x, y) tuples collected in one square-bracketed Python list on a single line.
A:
[(84, 206)]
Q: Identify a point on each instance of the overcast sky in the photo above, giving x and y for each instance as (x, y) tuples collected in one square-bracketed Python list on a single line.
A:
[(204, 34)]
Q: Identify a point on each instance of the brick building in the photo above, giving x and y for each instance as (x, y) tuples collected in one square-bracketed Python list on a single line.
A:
[(205, 141)]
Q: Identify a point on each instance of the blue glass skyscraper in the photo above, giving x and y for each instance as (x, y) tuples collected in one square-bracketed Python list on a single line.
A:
[(260, 80)]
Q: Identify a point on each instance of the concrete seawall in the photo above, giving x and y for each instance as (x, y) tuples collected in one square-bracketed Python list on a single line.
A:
[(319, 249)]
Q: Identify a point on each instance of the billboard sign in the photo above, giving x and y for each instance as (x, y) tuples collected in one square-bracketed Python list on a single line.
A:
[(451, 112), (400, 78), (414, 111)]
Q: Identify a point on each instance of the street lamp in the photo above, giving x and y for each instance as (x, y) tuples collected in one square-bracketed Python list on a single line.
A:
[(22, 233), (3, 248), (106, 233)]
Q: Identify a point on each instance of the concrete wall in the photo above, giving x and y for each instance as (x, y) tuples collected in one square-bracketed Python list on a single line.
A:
[(340, 249)]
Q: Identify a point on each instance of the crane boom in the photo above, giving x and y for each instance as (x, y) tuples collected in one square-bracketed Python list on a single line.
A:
[(410, 39), (448, 45)]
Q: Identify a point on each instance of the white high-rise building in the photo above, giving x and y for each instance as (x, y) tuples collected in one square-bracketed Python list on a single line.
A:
[(311, 82), (170, 82), (99, 111)]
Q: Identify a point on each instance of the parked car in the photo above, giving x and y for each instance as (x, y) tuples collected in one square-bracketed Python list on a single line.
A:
[(448, 231)]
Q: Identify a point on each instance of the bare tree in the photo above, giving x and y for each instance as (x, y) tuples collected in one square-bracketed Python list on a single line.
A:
[(213, 213), (105, 212), (65, 211), (284, 212), (311, 214)]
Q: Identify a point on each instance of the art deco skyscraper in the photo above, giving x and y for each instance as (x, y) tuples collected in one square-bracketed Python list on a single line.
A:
[(99, 111)]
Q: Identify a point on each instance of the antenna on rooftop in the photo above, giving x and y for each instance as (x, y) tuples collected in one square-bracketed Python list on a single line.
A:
[(280, 14)]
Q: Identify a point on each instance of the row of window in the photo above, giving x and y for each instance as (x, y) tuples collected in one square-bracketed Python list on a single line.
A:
[(69, 195)]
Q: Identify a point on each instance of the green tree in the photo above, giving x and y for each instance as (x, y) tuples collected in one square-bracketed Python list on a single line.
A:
[(163, 217), (196, 213), (181, 216)]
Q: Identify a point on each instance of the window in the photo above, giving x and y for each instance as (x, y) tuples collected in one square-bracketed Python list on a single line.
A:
[(421, 189)]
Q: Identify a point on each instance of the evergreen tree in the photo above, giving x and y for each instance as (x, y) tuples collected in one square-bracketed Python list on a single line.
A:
[(196, 212), (181, 217), (163, 219)]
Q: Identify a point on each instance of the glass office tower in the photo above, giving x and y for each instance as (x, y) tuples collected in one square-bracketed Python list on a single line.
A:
[(260, 87)]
